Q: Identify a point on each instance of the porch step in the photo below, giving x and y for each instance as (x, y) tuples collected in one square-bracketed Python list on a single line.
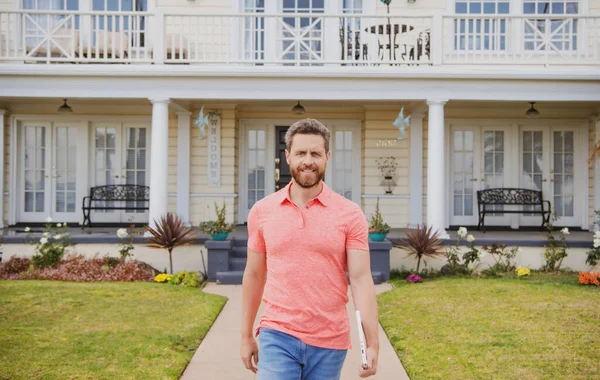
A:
[(377, 277), (237, 264), (239, 251), (230, 278)]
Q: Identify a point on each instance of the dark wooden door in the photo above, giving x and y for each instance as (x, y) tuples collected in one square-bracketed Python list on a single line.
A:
[(284, 169)]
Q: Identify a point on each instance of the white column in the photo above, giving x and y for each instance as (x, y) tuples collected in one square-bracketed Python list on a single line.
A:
[(2, 115), (159, 158), (183, 165), (596, 170), (416, 169), (436, 186)]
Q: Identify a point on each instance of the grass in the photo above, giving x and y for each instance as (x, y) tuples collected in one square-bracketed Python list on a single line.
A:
[(112, 330), (545, 326)]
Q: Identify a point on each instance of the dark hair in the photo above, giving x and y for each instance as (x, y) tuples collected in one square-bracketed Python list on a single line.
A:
[(307, 127)]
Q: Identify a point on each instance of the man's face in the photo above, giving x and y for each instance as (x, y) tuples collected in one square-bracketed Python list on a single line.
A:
[(307, 159)]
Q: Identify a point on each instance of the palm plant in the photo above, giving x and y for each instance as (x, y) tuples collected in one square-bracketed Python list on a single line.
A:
[(168, 233), (422, 242)]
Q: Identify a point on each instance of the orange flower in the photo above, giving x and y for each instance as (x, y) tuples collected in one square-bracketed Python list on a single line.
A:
[(587, 278)]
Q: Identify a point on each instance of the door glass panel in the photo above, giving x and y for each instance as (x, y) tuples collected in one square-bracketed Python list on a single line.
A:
[(462, 175), (64, 175), (135, 165), (256, 166), (342, 163), (35, 169), (563, 173), (493, 157), (533, 153), (105, 163)]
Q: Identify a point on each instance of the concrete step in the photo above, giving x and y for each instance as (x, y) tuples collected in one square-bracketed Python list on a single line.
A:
[(237, 264), (239, 251), (240, 242), (377, 277), (230, 278)]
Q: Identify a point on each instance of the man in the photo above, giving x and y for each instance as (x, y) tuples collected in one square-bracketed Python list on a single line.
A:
[(306, 235)]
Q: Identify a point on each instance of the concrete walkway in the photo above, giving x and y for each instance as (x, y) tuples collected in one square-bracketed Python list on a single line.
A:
[(218, 356)]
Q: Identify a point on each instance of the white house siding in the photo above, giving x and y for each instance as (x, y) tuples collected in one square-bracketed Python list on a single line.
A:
[(378, 126), (202, 207)]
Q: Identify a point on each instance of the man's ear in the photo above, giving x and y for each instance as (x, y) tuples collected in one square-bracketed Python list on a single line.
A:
[(287, 155)]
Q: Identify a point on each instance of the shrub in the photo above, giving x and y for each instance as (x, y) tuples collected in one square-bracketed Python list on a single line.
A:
[(555, 251), (15, 265), (502, 256), (589, 278), (79, 269), (169, 233), (422, 242), (459, 262), (50, 248)]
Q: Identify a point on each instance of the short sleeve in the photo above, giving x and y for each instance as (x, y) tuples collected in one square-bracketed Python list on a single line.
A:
[(256, 241), (357, 236)]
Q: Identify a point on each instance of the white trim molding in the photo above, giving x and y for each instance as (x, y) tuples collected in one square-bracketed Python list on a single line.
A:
[(183, 165), (416, 169), (3, 114)]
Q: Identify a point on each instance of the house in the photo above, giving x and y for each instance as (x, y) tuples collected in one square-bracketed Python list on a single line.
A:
[(136, 75)]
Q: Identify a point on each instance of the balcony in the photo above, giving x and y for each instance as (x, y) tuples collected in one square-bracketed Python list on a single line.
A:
[(292, 39)]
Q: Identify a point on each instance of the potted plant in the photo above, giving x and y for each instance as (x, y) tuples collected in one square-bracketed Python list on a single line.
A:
[(377, 228), (217, 229)]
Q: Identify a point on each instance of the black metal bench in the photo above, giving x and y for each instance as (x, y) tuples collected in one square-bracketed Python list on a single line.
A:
[(118, 196), (512, 196)]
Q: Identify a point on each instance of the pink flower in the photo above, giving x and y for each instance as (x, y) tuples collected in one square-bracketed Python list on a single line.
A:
[(413, 278)]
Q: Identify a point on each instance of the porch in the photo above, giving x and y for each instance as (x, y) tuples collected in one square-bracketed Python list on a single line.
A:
[(322, 38), (524, 237)]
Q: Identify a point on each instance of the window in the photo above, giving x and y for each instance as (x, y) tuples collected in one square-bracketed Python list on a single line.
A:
[(254, 30), (547, 34), (38, 26), (301, 38), (350, 31), (481, 33), (122, 23)]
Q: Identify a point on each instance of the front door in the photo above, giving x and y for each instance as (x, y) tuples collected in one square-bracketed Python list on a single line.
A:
[(479, 159), (548, 164), (120, 157), (283, 176), (48, 172)]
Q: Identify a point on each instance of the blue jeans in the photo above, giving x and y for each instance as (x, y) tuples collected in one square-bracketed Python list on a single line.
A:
[(284, 357)]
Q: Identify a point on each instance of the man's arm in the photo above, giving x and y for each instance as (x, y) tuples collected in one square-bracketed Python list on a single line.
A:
[(253, 285), (363, 293)]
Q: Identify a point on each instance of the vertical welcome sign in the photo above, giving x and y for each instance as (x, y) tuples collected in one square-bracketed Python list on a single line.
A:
[(214, 150)]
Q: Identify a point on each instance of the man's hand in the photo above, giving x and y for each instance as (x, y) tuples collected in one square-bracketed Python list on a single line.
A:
[(372, 354), (249, 354)]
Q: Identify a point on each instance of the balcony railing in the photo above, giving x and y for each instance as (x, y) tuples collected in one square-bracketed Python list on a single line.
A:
[(292, 39)]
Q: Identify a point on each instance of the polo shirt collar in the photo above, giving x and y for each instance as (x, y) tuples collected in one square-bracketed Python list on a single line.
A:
[(323, 196)]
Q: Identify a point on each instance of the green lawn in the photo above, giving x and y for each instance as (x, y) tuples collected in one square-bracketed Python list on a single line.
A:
[(66, 330), (541, 327)]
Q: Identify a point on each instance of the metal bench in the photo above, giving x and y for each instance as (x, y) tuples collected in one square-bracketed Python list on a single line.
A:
[(115, 197), (512, 196)]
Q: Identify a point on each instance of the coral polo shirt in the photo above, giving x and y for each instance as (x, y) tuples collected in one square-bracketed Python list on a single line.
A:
[(307, 289)]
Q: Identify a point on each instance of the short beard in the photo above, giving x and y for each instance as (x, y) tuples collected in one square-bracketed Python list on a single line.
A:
[(303, 183)]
